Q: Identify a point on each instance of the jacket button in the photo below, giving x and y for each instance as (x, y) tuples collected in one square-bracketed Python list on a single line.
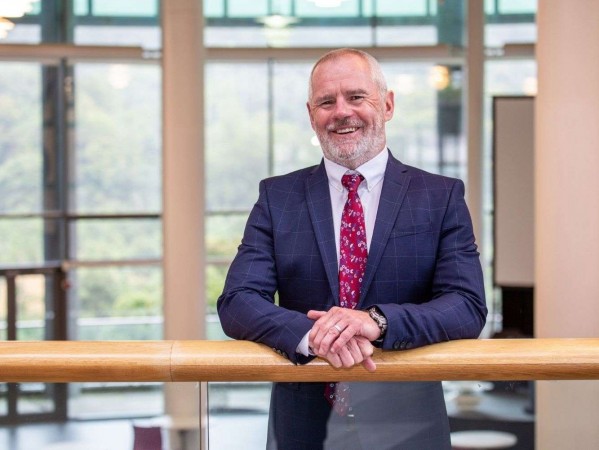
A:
[(396, 345), (409, 345)]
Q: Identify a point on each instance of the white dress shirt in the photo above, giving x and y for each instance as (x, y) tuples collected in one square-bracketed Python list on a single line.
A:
[(369, 191)]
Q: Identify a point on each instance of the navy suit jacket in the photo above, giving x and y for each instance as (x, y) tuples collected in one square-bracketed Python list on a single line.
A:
[(423, 272), (423, 269)]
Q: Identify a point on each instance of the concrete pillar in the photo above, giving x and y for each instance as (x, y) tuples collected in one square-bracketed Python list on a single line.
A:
[(567, 210), (183, 189)]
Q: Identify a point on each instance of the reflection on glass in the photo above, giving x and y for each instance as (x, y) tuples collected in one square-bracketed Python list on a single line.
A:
[(118, 157)]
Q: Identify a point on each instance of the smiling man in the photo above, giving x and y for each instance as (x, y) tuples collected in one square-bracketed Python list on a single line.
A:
[(363, 251)]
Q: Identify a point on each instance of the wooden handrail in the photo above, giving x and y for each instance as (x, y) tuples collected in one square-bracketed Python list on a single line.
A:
[(170, 361)]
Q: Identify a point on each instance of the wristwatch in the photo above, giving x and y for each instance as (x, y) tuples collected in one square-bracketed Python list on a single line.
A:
[(380, 319)]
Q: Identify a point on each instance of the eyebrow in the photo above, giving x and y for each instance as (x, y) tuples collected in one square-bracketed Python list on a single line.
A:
[(357, 91), (349, 93)]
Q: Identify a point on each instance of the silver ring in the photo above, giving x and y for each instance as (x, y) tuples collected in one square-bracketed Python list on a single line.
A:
[(338, 328)]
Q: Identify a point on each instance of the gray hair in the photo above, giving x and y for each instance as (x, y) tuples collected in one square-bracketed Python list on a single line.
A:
[(375, 68)]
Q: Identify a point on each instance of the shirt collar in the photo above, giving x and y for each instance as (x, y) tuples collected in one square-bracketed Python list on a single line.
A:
[(373, 171)]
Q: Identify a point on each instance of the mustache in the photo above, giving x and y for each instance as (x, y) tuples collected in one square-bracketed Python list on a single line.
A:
[(344, 123)]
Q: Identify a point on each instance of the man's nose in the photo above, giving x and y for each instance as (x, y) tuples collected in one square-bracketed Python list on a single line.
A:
[(342, 109)]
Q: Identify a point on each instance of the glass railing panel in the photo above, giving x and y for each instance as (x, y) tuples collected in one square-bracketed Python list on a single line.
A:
[(381, 415), (3, 399), (242, 407), (38, 421)]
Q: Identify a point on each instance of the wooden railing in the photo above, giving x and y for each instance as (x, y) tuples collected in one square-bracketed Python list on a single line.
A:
[(170, 361)]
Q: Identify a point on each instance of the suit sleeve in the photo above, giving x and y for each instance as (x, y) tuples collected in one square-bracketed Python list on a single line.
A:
[(247, 308), (456, 309)]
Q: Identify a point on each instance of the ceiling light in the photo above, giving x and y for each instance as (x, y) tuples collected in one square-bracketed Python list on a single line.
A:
[(277, 21)]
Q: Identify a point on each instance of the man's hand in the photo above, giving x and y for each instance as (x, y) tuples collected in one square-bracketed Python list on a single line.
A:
[(333, 331), (357, 351)]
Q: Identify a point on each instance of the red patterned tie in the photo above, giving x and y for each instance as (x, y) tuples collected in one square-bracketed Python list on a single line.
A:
[(353, 250), (352, 265)]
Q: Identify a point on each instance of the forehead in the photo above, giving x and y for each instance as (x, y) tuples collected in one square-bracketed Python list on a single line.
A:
[(348, 72)]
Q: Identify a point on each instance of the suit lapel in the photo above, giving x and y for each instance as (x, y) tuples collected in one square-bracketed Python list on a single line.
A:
[(318, 198), (395, 186)]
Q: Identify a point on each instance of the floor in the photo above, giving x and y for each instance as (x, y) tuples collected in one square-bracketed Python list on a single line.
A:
[(239, 406), (118, 434)]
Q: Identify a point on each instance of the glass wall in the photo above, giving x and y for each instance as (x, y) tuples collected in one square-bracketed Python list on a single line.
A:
[(273, 135), (80, 156), (80, 176), (357, 23)]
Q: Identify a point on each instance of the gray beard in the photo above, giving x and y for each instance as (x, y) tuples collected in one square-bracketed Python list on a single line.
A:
[(355, 154)]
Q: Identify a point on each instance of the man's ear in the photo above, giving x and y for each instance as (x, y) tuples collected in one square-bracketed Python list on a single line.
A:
[(389, 105), (310, 115)]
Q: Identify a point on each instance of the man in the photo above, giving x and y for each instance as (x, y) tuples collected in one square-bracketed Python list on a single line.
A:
[(391, 262)]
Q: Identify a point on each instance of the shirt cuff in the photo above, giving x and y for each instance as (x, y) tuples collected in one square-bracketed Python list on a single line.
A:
[(303, 348)]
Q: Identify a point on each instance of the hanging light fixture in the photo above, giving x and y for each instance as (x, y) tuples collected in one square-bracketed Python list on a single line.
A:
[(12, 9)]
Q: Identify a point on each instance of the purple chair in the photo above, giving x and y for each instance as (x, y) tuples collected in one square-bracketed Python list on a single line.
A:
[(147, 438)]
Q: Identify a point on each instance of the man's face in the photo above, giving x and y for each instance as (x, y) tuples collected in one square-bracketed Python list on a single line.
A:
[(347, 111)]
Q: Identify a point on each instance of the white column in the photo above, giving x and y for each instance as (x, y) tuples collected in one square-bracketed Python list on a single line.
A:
[(475, 70), (567, 210), (183, 187)]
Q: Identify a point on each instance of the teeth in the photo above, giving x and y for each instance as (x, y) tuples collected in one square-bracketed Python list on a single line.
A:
[(346, 130)]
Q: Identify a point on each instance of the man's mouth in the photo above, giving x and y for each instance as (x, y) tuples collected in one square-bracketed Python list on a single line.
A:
[(346, 130)]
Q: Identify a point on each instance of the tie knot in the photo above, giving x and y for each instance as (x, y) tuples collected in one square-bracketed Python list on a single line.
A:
[(351, 181)]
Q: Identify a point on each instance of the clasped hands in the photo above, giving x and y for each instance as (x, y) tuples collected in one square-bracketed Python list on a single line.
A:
[(343, 337)]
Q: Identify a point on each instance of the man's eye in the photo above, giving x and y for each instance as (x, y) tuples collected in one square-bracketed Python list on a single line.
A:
[(356, 97)]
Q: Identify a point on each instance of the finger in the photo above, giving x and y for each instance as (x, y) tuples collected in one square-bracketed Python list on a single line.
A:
[(330, 337), (369, 364), (346, 336), (334, 360), (315, 315), (366, 349), (319, 332), (355, 351), (346, 358), (321, 327), (365, 346)]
